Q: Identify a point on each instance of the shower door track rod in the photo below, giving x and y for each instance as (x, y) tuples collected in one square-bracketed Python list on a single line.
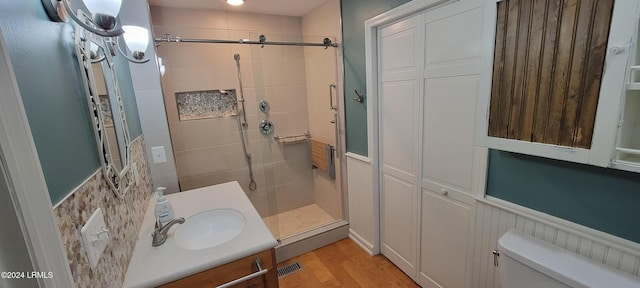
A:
[(326, 42)]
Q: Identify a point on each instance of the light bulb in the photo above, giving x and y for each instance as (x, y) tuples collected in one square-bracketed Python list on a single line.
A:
[(137, 39), (94, 48), (105, 7), (235, 2)]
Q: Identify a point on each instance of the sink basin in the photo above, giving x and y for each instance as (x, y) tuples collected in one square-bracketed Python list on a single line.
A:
[(209, 228)]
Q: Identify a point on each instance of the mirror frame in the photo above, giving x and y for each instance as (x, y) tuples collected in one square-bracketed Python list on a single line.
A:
[(119, 180)]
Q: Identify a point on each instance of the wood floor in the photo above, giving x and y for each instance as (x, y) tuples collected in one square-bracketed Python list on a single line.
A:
[(344, 264)]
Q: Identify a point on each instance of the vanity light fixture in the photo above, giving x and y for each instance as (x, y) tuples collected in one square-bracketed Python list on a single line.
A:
[(235, 2), (104, 14), (137, 40), (96, 53), (104, 23)]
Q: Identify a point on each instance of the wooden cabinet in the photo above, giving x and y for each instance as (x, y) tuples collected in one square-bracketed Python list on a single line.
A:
[(558, 77), (548, 64), (235, 270)]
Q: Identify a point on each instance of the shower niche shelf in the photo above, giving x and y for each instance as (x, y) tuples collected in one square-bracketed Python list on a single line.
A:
[(206, 104)]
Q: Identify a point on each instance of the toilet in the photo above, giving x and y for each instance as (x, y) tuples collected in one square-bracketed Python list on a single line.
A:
[(527, 262)]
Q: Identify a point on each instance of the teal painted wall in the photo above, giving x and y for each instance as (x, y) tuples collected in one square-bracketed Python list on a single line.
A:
[(354, 13), (43, 58), (600, 198)]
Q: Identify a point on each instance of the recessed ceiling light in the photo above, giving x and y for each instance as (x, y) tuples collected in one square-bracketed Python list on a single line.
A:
[(235, 2)]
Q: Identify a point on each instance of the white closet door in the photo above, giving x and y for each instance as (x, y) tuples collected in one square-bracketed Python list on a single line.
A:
[(400, 57), (453, 36)]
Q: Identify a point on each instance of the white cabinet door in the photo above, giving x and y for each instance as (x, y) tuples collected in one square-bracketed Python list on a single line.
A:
[(400, 58), (453, 42)]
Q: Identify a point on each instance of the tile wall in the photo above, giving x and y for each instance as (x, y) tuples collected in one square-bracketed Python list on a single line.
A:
[(209, 151), (123, 218)]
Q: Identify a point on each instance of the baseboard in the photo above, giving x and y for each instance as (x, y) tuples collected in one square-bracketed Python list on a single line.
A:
[(363, 243)]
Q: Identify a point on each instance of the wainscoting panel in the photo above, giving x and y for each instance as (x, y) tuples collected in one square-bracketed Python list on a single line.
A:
[(494, 217), (362, 203)]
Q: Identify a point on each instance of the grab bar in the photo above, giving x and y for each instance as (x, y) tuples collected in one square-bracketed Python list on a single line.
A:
[(331, 106), (260, 272), (292, 139)]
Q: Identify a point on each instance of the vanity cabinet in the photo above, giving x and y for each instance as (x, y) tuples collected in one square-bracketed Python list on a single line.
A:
[(232, 271)]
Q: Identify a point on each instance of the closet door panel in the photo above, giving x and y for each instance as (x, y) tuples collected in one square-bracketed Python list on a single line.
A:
[(445, 241), (398, 222), (453, 39), (449, 112), (398, 125), (400, 56)]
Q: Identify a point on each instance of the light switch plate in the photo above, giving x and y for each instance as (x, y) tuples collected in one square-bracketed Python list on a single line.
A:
[(95, 237), (158, 154)]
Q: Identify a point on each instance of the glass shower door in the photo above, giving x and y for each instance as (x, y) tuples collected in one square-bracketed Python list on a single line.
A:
[(292, 94)]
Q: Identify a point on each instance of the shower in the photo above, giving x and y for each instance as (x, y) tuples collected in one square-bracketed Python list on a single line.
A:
[(242, 125), (274, 112)]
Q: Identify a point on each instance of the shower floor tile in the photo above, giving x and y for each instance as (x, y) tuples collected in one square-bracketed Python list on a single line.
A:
[(298, 220)]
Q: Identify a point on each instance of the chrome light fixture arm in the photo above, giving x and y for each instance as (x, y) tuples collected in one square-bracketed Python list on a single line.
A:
[(105, 26), (101, 25), (98, 58)]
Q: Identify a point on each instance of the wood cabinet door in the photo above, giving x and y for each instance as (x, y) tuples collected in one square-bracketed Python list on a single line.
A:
[(548, 64), (558, 76), (232, 271)]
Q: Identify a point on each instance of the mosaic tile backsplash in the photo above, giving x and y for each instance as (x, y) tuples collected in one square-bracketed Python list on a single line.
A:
[(122, 216), (206, 104)]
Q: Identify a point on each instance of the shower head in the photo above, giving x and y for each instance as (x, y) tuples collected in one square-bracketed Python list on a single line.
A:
[(236, 56)]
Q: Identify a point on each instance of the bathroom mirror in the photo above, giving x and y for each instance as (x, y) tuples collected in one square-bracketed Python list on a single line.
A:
[(95, 56)]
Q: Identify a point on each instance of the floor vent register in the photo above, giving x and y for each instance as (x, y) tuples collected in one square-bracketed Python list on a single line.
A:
[(289, 269)]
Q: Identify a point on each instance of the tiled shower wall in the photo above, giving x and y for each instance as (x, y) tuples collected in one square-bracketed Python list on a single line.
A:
[(123, 218), (209, 151)]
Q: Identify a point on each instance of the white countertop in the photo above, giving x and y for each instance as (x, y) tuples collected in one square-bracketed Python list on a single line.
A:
[(153, 266)]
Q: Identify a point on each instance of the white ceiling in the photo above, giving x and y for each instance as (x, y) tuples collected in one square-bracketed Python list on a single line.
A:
[(276, 7)]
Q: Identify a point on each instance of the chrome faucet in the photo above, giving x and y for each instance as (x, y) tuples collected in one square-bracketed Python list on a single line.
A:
[(160, 231)]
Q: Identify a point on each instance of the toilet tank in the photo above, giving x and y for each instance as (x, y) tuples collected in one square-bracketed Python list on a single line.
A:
[(527, 262)]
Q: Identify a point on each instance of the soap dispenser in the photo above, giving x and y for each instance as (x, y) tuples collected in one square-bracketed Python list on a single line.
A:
[(164, 210)]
